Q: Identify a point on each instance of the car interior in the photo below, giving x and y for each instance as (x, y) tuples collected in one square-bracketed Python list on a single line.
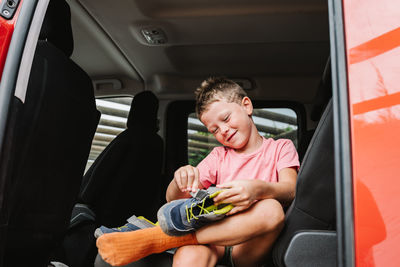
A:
[(108, 118)]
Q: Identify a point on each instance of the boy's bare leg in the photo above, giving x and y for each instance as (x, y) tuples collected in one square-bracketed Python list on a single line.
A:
[(197, 255), (254, 251), (251, 232)]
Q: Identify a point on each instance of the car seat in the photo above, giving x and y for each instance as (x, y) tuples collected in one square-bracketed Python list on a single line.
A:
[(321, 100), (123, 181), (309, 237), (54, 128)]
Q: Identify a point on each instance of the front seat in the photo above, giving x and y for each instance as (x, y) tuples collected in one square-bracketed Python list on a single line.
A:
[(309, 237), (124, 179), (54, 129)]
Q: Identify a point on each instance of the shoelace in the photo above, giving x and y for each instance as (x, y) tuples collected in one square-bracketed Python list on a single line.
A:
[(122, 227), (189, 211)]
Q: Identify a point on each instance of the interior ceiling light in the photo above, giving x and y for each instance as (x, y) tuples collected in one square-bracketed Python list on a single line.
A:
[(154, 36)]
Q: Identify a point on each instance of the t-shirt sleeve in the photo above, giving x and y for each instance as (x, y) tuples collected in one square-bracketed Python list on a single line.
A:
[(288, 157), (208, 169)]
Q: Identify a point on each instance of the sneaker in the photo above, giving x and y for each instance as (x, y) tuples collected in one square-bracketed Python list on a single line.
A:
[(134, 223), (182, 216)]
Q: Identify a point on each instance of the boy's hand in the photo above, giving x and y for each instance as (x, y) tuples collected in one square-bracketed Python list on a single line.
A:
[(187, 178), (241, 193)]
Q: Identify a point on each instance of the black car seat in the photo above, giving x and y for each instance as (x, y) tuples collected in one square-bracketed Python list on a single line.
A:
[(54, 129), (124, 179), (308, 237), (324, 94)]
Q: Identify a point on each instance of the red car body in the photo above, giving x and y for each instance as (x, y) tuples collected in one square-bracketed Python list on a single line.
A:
[(372, 30), (6, 30)]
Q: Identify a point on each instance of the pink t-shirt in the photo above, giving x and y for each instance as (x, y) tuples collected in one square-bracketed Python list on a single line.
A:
[(223, 164)]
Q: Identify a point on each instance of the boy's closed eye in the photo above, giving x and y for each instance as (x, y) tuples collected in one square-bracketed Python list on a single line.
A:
[(213, 130), (225, 119)]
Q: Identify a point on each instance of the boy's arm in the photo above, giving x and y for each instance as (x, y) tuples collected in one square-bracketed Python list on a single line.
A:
[(284, 190), (243, 193), (186, 180), (173, 192)]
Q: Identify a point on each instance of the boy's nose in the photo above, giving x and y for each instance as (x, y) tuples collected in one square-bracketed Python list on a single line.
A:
[(224, 129)]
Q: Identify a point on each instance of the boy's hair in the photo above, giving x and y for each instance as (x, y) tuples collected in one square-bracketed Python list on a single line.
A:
[(217, 88)]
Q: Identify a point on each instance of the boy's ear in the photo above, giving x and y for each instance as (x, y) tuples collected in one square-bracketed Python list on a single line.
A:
[(247, 105)]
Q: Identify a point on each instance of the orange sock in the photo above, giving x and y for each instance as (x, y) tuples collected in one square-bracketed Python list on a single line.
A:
[(122, 248)]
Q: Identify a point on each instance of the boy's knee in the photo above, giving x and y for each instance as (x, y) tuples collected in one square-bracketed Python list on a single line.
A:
[(184, 253), (196, 255), (270, 214)]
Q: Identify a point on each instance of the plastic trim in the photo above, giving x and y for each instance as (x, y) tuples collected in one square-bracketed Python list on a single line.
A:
[(29, 50), (341, 122), (321, 249), (14, 55)]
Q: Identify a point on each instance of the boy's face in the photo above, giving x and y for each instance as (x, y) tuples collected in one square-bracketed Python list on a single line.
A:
[(230, 123)]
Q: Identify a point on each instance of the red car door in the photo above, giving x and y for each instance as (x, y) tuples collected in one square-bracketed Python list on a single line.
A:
[(372, 40)]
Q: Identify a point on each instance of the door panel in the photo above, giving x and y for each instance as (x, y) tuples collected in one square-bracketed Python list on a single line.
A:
[(372, 30)]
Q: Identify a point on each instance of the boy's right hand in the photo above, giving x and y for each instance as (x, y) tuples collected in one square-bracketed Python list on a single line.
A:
[(187, 178)]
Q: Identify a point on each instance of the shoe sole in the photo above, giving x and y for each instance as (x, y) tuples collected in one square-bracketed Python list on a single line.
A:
[(98, 233), (139, 222)]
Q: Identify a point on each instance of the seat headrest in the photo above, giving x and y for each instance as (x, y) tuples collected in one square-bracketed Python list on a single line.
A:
[(56, 28), (143, 111), (324, 93)]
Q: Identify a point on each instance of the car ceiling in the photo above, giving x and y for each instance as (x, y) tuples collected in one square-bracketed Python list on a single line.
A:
[(281, 45)]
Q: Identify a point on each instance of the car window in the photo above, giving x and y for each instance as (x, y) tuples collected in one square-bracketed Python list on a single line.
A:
[(114, 114), (271, 123)]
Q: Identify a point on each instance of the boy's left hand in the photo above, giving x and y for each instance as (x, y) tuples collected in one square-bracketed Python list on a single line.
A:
[(241, 193)]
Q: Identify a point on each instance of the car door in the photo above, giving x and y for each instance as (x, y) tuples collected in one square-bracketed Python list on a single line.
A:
[(372, 56)]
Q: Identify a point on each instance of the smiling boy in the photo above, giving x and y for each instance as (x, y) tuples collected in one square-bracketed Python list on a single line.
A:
[(258, 176)]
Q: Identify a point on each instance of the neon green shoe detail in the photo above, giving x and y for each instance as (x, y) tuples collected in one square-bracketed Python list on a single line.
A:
[(202, 208), (183, 216)]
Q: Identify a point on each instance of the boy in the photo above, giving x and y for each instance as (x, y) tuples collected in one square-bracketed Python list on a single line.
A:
[(258, 176)]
